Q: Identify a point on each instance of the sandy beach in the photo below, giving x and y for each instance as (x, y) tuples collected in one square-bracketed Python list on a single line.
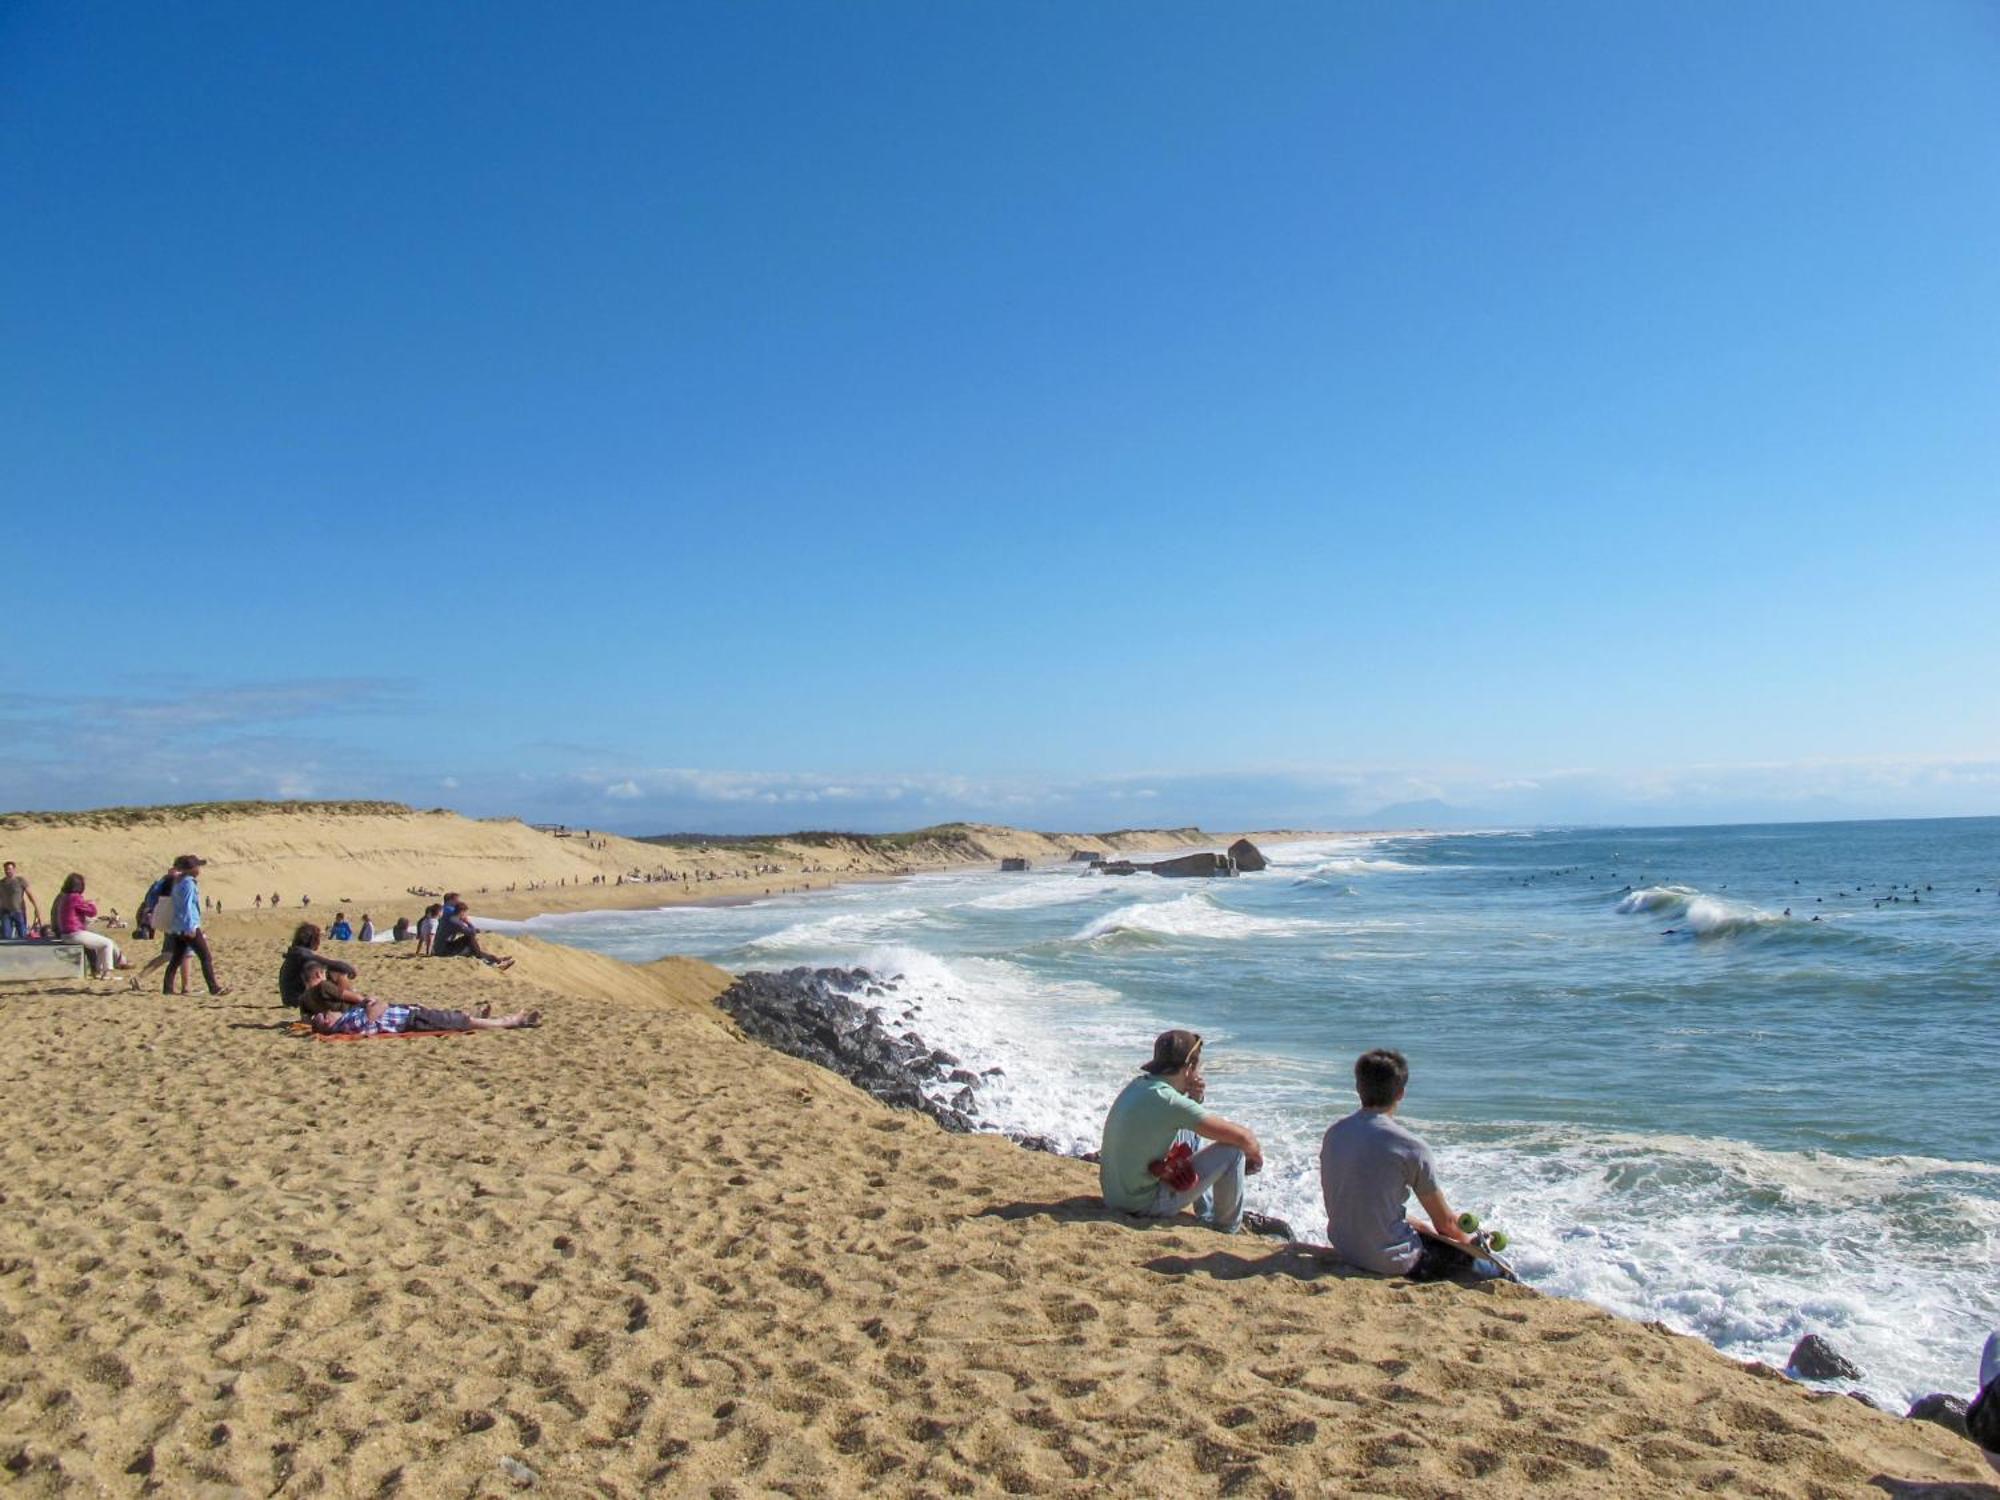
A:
[(633, 1252)]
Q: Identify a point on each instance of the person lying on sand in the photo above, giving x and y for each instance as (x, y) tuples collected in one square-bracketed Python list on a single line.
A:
[(333, 1008), (1368, 1165), (304, 951), (1148, 1163), (458, 938)]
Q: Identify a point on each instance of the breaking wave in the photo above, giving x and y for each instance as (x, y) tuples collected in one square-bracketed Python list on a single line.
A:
[(1699, 914), (1195, 915)]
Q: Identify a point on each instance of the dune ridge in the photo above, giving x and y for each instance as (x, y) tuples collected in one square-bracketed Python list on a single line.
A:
[(370, 854)]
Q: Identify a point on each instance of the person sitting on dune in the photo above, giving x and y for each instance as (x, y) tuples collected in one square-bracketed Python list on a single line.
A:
[(458, 938), (333, 1008), (1149, 1164), (304, 951), (1368, 1166)]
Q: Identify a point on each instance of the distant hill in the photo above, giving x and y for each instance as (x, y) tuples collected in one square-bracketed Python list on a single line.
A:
[(1428, 813)]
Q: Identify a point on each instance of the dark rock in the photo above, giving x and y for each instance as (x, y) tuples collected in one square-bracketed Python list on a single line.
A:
[(1813, 1358), (1036, 1143), (1012, 866), (994, 1073), (812, 1014), (1191, 865), (1247, 855), (964, 1076), (1946, 1411)]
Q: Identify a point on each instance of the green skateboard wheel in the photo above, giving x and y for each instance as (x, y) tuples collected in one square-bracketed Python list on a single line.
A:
[(1498, 1239), (1468, 1223)]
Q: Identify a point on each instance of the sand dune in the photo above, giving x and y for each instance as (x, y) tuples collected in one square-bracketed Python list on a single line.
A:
[(633, 1253), (368, 856)]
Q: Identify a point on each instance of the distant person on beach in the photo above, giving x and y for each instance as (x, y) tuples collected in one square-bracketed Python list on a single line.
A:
[(184, 934), (1149, 1164), (427, 926), (15, 901), (1368, 1166), (73, 914), (340, 932), (401, 931), (333, 1009), (367, 928), (458, 938), (302, 955)]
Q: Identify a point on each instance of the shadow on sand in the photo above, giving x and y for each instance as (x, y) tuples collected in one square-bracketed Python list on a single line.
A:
[(1257, 1257)]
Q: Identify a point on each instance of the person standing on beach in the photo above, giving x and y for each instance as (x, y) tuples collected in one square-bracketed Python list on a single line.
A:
[(1148, 1164), (15, 900), (184, 934), (153, 909), (1368, 1166)]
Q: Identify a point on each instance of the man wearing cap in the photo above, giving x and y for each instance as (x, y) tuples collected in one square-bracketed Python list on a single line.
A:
[(1141, 1168)]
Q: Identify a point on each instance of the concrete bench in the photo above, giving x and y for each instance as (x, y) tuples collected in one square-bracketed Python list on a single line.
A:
[(22, 960)]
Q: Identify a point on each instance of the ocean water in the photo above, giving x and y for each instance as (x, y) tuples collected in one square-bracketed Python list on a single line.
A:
[(1635, 1050)]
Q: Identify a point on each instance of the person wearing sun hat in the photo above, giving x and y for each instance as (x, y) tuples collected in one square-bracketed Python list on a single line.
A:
[(1145, 1167)]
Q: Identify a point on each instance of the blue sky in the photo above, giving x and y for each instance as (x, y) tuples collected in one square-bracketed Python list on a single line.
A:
[(746, 415)]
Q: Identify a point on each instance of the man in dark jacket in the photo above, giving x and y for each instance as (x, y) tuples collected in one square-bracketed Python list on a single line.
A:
[(458, 938), (305, 950)]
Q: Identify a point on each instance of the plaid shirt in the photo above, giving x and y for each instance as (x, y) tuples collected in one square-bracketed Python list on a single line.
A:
[(354, 1021)]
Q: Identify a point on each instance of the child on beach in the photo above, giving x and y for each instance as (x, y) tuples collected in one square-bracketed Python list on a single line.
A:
[(427, 926)]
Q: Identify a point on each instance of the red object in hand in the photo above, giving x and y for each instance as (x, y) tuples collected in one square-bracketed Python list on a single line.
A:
[(1177, 1171)]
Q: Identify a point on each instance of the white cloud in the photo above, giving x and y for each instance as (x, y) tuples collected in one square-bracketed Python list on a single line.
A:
[(627, 788)]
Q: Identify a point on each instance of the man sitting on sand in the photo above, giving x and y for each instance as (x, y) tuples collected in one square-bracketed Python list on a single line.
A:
[(1148, 1164), (458, 938), (304, 952), (1368, 1165), (334, 1009)]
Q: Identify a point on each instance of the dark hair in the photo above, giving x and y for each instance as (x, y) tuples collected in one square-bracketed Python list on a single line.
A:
[(305, 935), (1172, 1051), (1380, 1077), (433, 909), (451, 897), (72, 885)]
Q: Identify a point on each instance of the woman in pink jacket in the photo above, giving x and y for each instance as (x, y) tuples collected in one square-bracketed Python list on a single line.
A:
[(72, 915)]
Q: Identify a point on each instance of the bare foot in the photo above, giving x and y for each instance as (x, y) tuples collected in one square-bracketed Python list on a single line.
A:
[(532, 1018)]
